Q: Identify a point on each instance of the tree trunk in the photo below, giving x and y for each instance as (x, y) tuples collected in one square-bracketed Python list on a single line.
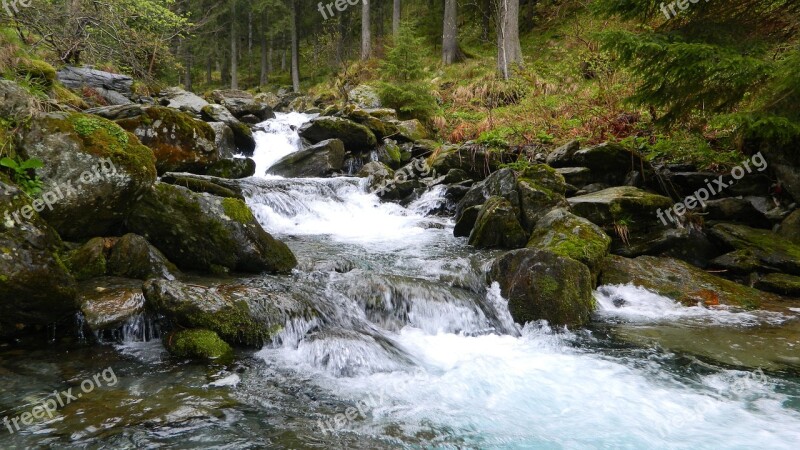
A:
[(396, 19), (451, 53), (509, 51), (366, 37), (234, 49), (264, 55), (295, 50), (209, 69)]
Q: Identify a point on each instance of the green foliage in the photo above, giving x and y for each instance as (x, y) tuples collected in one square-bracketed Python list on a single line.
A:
[(496, 138), (685, 77), (32, 185), (403, 60), (412, 101)]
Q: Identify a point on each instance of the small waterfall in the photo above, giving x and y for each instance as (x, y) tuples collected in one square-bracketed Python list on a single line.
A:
[(277, 138)]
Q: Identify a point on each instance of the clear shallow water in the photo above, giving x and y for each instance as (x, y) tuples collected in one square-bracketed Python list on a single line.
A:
[(414, 350)]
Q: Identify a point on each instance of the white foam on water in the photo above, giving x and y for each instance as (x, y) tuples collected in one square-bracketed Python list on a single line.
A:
[(277, 138), (635, 304)]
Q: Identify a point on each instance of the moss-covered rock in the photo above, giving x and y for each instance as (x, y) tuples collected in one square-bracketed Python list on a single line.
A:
[(197, 344), (769, 248), (35, 286), (377, 174), (93, 172), (15, 102), (623, 205), (322, 159), (466, 221), (205, 232), (221, 187), (242, 134), (740, 263), (37, 71), (107, 302), (240, 314), (779, 283), (133, 257), (566, 234), (356, 137), (477, 161), (233, 168), (89, 260), (497, 226), (540, 189), (682, 282), (790, 228), (542, 285), (179, 142), (608, 163)]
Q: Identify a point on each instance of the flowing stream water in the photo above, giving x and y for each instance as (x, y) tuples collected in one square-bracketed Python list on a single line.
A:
[(415, 350)]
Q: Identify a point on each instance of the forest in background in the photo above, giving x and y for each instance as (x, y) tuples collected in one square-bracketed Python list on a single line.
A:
[(703, 85)]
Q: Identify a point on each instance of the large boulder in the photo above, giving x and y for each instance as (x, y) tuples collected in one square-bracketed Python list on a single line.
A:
[(114, 88), (178, 98), (241, 314), (107, 303), (320, 160), (232, 168), (35, 287), (621, 206), (223, 139), (93, 172), (364, 96), (766, 246), (608, 163), (15, 102), (242, 103), (566, 234), (179, 142), (681, 282), (532, 192), (497, 226), (356, 137), (477, 161), (542, 285), (133, 257), (207, 233), (242, 134)]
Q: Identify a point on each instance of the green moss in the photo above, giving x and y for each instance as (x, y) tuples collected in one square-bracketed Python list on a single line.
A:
[(198, 344), (67, 97), (37, 71), (237, 210)]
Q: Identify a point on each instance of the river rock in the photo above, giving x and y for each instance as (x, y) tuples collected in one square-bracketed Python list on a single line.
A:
[(540, 190), (377, 174), (790, 228), (241, 314), (223, 139), (242, 134), (207, 233), (608, 163), (681, 282), (90, 259), (114, 88), (779, 283), (768, 247), (622, 205), (35, 287), (178, 98), (687, 244), (108, 302), (93, 168), (178, 141), (732, 209), (497, 226), (242, 103), (133, 257), (356, 137), (576, 176), (364, 96), (204, 345), (15, 102), (475, 160), (232, 168), (542, 285), (566, 234), (320, 160)]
